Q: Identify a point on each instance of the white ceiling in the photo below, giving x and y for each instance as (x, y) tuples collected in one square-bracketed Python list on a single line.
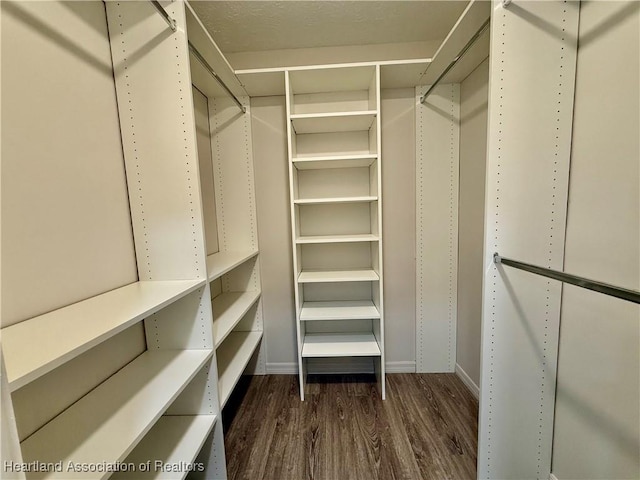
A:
[(248, 26)]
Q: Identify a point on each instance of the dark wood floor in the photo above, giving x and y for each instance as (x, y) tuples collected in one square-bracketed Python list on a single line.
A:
[(426, 429)]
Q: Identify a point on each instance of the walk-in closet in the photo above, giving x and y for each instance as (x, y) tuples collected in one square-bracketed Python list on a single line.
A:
[(286, 240)]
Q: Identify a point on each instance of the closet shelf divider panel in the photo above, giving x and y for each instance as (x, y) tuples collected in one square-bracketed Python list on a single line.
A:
[(326, 276), (339, 310), (172, 440), (340, 345), (228, 310), (223, 262), (233, 356), (36, 346), (106, 424)]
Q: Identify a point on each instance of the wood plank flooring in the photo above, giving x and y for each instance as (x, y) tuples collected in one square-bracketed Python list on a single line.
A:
[(426, 429)]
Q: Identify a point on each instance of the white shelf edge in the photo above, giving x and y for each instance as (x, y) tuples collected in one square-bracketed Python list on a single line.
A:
[(302, 240), (317, 201), (323, 345), (106, 424), (329, 158), (233, 356), (330, 65), (30, 351), (174, 439), (333, 276), (236, 305), (223, 262), (354, 113), (339, 310)]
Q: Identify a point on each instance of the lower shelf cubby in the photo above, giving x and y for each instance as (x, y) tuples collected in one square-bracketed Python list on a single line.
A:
[(105, 425), (171, 447), (233, 356)]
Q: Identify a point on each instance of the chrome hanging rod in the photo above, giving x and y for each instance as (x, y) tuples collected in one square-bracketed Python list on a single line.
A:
[(206, 65), (473, 39), (170, 21), (613, 291)]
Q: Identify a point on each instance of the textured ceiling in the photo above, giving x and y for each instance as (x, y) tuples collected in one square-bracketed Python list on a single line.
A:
[(247, 26)]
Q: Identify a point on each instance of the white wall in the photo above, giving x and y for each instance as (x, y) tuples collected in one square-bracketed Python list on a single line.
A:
[(597, 422), (399, 226), (271, 177), (473, 157)]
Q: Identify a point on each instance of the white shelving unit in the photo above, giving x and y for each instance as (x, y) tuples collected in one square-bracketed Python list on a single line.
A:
[(334, 165), (193, 298), (226, 175)]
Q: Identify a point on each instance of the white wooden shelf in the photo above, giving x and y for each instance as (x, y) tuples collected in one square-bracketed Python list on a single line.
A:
[(365, 237), (342, 310), (174, 439), (319, 201), (323, 276), (233, 356), (334, 161), (107, 423), (333, 122), (222, 262), (37, 346), (228, 310), (340, 345)]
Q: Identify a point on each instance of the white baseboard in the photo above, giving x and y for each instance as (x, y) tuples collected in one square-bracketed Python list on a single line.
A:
[(282, 368), (466, 379), (400, 367), (552, 477)]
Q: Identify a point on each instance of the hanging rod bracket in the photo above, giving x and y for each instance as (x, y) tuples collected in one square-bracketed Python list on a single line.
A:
[(163, 13), (497, 258), (215, 76), (464, 50), (506, 3)]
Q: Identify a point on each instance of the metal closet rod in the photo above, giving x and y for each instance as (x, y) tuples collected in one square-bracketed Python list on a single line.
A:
[(473, 39), (611, 290), (170, 21), (172, 24), (206, 65)]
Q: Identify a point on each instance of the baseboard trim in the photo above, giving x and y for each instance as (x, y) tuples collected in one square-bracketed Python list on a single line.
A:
[(552, 477), (282, 368), (400, 367), (340, 365), (466, 379)]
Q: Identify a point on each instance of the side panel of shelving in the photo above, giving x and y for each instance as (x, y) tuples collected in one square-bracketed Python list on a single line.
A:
[(437, 166), (528, 162), (151, 67), (295, 231), (377, 290)]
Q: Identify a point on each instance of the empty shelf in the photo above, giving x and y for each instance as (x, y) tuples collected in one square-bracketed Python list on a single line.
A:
[(334, 161), (333, 122), (37, 346), (340, 310), (319, 201), (222, 262), (172, 440), (340, 345), (228, 310), (338, 276), (365, 237), (107, 423), (233, 356)]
